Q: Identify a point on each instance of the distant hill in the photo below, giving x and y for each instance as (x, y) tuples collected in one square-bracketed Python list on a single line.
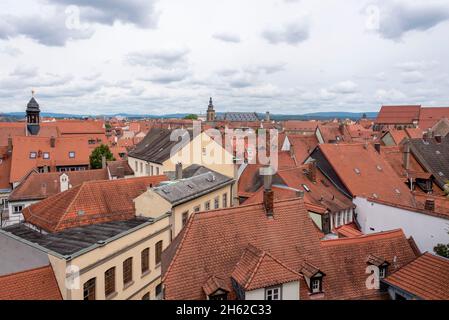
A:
[(276, 117)]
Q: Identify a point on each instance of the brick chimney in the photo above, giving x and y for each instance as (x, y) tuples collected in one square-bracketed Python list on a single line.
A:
[(377, 147), (103, 162), (52, 142), (312, 170), (9, 144), (268, 195), (430, 205), (406, 156), (178, 171)]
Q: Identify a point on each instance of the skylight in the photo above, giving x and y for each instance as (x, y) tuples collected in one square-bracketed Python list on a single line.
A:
[(306, 187), (357, 170), (379, 168)]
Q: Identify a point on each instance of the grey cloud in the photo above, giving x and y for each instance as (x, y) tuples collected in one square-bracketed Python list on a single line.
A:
[(344, 87), (50, 31), (161, 58), (167, 76), (399, 18), (141, 13), (24, 72), (412, 77), (227, 37), (292, 33), (10, 51)]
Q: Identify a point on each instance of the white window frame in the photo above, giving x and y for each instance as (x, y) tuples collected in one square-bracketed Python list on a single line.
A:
[(33, 155), (46, 155), (274, 293), (14, 211), (382, 272), (315, 285), (72, 153)]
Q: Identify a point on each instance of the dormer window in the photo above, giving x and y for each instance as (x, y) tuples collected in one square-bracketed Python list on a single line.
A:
[(314, 278), (381, 263), (33, 155), (46, 155), (273, 293), (315, 285), (72, 154)]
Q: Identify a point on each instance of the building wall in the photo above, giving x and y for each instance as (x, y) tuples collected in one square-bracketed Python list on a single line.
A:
[(427, 231), (388, 140), (95, 263), (290, 291), (17, 217), (143, 168), (151, 204)]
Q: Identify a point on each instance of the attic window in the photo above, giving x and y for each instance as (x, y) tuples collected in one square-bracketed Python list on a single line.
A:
[(357, 170), (72, 154), (33, 155), (379, 168), (46, 155), (397, 191), (306, 187)]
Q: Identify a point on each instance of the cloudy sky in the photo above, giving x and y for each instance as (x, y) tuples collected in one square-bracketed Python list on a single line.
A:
[(169, 56)]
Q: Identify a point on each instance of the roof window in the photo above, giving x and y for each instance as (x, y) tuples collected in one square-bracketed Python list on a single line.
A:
[(357, 170), (379, 168), (306, 187)]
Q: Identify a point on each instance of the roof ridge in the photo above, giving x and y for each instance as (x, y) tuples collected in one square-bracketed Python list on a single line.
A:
[(259, 262), (80, 187), (363, 238)]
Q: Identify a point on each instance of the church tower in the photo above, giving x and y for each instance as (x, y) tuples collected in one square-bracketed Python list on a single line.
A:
[(210, 111), (33, 117)]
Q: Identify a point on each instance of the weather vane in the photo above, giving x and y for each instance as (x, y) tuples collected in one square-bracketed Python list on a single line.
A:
[(32, 92)]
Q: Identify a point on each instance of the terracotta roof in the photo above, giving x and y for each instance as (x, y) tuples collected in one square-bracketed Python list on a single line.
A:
[(428, 117), (37, 186), (213, 284), (77, 127), (414, 133), (5, 168), (89, 203), (258, 269), (398, 135), (35, 284), (348, 231), (59, 155), (214, 242), (365, 172), (426, 278), (298, 125), (334, 132), (302, 146), (115, 168), (398, 114)]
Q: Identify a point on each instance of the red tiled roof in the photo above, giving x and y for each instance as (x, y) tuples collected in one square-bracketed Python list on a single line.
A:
[(298, 125), (76, 127), (35, 284), (348, 231), (59, 156), (334, 132), (398, 114), (398, 135), (212, 244), (114, 166), (259, 269), (89, 203), (428, 117), (213, 284), (302, 146), (38, 186), (427, 278), (366, 173), (5, 168)]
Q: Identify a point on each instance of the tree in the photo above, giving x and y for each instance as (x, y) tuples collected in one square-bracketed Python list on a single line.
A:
[(96, 156), (442, 250), (191, 117)]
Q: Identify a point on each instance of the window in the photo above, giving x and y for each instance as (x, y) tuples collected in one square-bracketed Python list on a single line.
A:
[(135, 165), (91, 141), (109, 282), (46, 155), (158, 289), (141, 167), (197, 209), (158, 252), (207, 206), (17, 209), (225, 200), (203, 151), (185, 217), (89, 289), (223, 296), (382, 272), (127, 271), (33, 155), (315, 285), (273, 293), (157, 171), (145, 260), (146, 296), (216, 203), (72, 154), (151, 170)]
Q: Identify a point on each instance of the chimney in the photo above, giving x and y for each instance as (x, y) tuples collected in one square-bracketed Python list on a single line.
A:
[(377, 147), (103, 162), (9, 144), (52, 142), (268, 195), (63, 182), (341, 128), (438, 138), (406, 156), (312, 170), (430, 205), (179, 171), (425, 136)]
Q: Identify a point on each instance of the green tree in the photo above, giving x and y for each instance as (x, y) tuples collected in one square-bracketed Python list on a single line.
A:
[(97, 154), (191, 117), (108, 126), (442, 250)]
